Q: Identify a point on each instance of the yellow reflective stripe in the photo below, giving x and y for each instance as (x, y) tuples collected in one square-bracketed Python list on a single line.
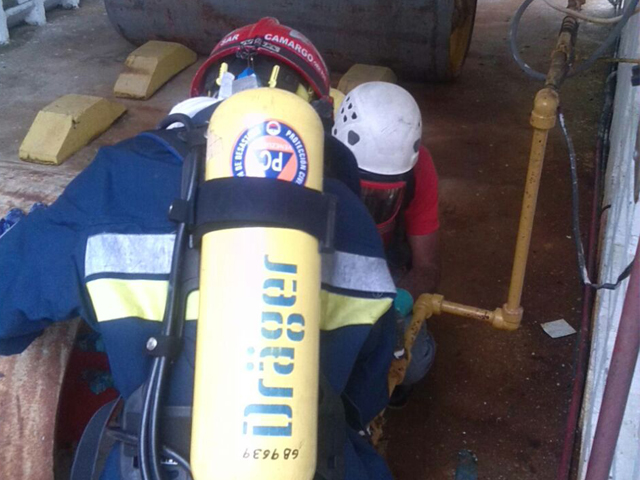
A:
[(342, 311), (115, 298), (193, 305)]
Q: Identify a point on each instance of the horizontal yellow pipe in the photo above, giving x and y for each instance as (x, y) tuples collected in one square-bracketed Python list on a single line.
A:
[(467, 311)]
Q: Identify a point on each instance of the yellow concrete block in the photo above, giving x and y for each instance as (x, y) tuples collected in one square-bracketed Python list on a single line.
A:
[(361, 73), (66, 125), (151, 66), (337, 97)]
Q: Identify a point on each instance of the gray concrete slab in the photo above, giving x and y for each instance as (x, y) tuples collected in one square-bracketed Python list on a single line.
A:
[(78, 51)]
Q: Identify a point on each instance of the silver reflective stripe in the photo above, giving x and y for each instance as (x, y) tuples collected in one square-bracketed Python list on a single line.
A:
[(356, 272), (151, 254), (137, 254)]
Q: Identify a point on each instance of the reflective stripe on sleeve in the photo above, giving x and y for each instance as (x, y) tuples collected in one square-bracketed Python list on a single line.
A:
[(115, 298), (128, 254), (357, 272), (343, 311), (193, 305)]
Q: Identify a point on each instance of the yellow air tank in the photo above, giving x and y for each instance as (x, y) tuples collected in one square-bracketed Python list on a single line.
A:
[(257, 361)]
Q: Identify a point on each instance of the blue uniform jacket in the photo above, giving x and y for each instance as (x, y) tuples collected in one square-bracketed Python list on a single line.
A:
[(102, 252)]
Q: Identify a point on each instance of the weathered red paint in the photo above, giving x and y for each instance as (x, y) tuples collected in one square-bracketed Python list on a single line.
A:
[(30, 386)]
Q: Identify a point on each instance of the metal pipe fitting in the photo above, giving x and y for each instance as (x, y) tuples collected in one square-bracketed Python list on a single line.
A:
[(562, 56)]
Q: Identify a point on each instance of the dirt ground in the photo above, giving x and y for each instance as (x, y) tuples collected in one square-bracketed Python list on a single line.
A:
[(501, 395), (504, 396)]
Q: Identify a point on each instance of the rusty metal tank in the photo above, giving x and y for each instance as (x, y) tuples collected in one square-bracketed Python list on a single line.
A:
[(419, 39)]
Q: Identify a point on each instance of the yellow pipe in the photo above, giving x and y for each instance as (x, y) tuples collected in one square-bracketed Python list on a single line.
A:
[(543, 118), (423, 309), (509, 316), (467, 311), (526, 219)]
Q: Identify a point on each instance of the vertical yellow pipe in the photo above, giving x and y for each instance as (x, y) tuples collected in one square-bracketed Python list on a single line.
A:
[(543, 118), (526, 217)]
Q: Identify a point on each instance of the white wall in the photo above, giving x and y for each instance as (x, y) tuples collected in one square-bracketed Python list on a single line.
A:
[(618, 246)]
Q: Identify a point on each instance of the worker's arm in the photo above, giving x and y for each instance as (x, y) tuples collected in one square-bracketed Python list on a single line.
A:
[(357, 329), (424, 275), (38, 282), (422, 230)]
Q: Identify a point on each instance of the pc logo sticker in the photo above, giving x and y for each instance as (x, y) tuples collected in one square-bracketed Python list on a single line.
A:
[(270, 149)]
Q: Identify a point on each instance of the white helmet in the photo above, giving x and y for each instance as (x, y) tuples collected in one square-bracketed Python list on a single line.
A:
[(381, 124)]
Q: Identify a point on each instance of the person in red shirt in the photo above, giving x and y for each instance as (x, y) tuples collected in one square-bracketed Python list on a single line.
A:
[(381, 124)]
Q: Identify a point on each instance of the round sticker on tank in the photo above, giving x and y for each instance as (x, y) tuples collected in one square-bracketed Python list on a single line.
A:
[(271, 149)]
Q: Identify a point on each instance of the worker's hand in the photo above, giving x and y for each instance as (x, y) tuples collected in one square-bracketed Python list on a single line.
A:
[(424, 275), (420, 280)]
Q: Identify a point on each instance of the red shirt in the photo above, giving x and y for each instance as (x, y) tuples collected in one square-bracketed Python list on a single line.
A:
[(421, 217)]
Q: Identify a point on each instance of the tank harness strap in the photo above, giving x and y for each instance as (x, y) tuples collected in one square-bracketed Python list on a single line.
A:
[(264, 202), (86, 462), (332, 434), (175, 433)]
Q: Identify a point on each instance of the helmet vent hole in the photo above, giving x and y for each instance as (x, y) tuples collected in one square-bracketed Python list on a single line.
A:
[(350, 106), (354, 116), (353, 138), (416, 146), (342, 111), (335, 131), (344, 119)]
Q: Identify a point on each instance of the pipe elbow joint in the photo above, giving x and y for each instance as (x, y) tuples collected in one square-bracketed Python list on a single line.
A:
[(545, 109), (506, 319), (430, 302)]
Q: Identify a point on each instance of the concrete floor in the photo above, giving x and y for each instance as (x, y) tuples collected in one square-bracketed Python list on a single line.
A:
[(78, 52), (502, 395)]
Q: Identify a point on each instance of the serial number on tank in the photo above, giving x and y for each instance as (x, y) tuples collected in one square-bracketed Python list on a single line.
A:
[(271, 454)]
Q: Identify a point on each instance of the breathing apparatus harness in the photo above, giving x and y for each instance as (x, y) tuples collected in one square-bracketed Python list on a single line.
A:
[(166, 346)]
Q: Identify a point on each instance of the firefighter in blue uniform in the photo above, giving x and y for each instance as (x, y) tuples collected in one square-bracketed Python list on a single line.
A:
[(102, 251)]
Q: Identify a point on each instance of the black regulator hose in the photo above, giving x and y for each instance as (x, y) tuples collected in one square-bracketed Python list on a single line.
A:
[(129, 439), (629, 10), (149, 446)]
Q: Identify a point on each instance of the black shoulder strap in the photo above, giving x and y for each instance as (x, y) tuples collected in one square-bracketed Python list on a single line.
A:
[(332, 434), (86, 463), (175, 137)]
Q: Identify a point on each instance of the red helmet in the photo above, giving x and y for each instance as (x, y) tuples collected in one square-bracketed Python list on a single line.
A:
[(268, 37)]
